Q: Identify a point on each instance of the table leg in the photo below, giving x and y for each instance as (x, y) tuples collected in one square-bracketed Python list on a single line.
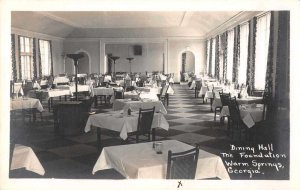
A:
[(96, 100), (49, 104), (65, 97), (98, 138), (211, 102), (153, 134), (34, 114), (60, 98)]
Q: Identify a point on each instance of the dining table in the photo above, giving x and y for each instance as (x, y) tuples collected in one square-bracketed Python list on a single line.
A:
[(140, 161), (122, 123), (250, 113), (24, 157), (135, 105)]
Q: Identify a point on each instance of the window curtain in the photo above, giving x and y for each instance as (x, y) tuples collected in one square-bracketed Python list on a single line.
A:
[(261, 56), (236, 55), (213, 57), (13, 58), (278, 73), (230, 44), (251, 55), (50, 43), (244, 36), (217, 61), (20, 65), (40, 60), (225, 42), (210, 57), (207, 55), (34, 58)]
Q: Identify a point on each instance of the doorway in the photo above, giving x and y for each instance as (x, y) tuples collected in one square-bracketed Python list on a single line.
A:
[(187, 65)]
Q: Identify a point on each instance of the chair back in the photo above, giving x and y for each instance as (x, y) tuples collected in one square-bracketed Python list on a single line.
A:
[(145, 120), (182, 165), (164, 91), (267, 99), (119, 94), (234, 110), (225, 98)]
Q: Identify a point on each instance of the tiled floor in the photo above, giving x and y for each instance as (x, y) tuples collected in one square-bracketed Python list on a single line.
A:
[(190, 121)]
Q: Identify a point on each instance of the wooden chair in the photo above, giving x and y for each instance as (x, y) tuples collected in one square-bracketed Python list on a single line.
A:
[(164, 95), (197, 88), (182, 165), (224, 97), (118, 94), (236, 122), (144, 125)]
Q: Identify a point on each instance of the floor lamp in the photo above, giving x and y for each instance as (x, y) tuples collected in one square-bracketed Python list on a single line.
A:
[(130, 59), (114, 58), (75, 58)]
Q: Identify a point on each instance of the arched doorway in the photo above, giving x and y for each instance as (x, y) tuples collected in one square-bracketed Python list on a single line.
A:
[(187, 64), (83, 63)]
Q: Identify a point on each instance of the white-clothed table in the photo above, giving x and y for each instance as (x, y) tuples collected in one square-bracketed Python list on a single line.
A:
[(25, 103), (80, 88), (140, 161), (58, 80), (123, 123), (24, 157), (155, 90), (250, 114), (248, 100), (18, 89), (124, 104)]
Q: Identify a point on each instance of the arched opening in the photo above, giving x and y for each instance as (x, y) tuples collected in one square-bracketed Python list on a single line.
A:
[(83, 63), (187, 64)]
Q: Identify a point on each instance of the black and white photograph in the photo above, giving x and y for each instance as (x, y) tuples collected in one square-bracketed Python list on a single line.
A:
[(152, 95)]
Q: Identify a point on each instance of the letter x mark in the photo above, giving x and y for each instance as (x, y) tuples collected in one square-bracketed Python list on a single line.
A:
[(179, 184)]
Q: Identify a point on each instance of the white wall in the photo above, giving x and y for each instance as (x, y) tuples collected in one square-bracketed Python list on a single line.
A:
[(150, 60), (177, 47), (88, 46), (190, 62)]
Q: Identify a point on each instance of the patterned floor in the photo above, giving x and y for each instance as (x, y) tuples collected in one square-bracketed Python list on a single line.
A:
[(190, 121)]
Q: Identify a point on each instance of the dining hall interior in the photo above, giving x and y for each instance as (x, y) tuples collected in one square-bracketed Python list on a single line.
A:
[(116, 94)]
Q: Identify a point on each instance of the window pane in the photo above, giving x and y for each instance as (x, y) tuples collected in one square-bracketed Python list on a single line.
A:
[(244, 33), (45, 56), (213, 58), (207, 60), (261, 53)]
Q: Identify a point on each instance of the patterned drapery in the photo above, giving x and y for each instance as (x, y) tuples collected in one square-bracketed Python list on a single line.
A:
[(13, 58), (225, 41), (251, 55), (217, 60), (50, 43), (236, 54), (40, 60), (34, 58), (278, 73), (210, 57), (270, 63)]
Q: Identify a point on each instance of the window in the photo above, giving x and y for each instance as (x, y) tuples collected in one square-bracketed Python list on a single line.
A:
[(26, 53), (261, 51), (244, 34), (221, 77), (230, 55), (207, 59), (213, 57), (45, 57)]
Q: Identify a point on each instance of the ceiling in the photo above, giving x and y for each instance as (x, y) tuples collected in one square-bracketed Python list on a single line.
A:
[(114, 24)]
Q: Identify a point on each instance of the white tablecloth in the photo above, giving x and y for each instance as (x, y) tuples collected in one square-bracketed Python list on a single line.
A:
[(250, 115), (24, 157), (18, 89), (140, 161), (57, 92), (80, 88), (122, 123), (60, 80), (26, 103), (248, 100), (124, 104)]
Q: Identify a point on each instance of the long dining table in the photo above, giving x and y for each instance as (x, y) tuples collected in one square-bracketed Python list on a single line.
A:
[(140, 161), (122, 123)]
